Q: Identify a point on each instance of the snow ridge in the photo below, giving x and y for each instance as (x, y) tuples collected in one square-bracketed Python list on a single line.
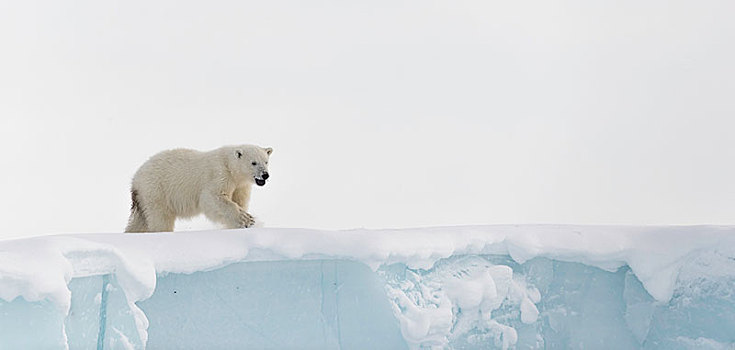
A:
[(41, 267)]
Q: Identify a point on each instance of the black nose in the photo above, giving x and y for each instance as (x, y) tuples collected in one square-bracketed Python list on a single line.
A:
[(265, 176)]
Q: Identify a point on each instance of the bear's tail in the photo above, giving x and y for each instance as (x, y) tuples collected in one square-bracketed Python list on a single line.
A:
[(136, 222)]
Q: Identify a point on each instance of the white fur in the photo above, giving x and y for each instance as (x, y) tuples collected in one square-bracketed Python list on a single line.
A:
[(182, 183)]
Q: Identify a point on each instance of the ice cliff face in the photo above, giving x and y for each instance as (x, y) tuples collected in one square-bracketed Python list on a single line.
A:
[(492, 302), (482, 287)]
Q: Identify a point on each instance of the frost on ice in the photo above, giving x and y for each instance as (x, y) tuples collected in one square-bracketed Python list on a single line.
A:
[(456, 299)]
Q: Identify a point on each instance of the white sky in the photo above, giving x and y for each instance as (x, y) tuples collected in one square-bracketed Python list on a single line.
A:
[(381, 113)]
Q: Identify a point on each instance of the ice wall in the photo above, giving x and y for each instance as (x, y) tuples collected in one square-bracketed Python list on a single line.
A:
[(321, 304), (549, 304), (491, 287)]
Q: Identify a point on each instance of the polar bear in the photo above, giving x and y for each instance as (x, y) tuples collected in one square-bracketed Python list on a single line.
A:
[(183, 183)]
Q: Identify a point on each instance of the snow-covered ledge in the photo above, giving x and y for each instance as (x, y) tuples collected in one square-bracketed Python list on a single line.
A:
[(467, 286)]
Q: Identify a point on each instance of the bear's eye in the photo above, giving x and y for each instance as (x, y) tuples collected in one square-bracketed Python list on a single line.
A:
[(254, 163)]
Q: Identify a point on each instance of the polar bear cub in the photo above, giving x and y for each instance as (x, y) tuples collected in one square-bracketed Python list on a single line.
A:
[(183, 183)]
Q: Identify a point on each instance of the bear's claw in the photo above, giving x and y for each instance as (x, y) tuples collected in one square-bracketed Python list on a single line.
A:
[(246, 220)]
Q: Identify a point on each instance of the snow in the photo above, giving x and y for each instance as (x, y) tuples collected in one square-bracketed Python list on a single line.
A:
[(445, 286)]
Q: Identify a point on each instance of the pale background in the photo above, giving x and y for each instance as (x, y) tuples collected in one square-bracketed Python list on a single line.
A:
[(381, 113)]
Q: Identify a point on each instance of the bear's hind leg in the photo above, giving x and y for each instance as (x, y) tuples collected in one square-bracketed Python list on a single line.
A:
[(159, 221), (136, 222)]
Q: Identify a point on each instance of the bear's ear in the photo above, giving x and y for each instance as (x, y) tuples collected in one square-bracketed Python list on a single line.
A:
[(238, 154), (268, 150)]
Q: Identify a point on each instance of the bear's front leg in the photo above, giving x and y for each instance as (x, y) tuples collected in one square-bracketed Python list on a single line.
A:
[(219, 207), (241, 196), (245, 219)]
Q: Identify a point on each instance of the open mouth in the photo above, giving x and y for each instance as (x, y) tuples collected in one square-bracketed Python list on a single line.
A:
[(259, 182)]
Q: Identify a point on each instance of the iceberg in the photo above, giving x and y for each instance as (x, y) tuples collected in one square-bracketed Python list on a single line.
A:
[(466, 287)]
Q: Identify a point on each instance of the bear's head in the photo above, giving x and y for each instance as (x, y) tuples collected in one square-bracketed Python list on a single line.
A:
[(251, 162)]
